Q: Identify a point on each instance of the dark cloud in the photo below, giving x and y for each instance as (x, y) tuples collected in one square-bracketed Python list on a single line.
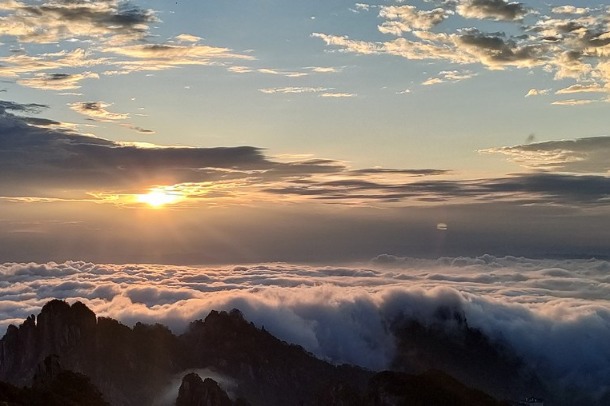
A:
[(495, 50), (521, 188), (581, 155), (42, 157), (54, 21), (413, 172), (21, 108), (492, 9)]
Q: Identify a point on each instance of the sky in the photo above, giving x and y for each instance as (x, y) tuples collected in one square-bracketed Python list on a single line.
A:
[(199, 132)]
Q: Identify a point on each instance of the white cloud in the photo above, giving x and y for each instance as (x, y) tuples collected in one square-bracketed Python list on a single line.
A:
[(400, 19), (293, 89), (449, 76), (570, 10), (537, 92), (573, 102), (337, 95)]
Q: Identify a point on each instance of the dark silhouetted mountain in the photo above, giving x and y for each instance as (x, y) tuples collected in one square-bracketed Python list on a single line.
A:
[(430, 388), (449, 344), (196, 392), (136, 366), (269, 371), (53, 386)]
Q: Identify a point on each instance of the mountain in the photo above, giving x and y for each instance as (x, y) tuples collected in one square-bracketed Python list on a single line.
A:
[(449, 344), (136, 366)]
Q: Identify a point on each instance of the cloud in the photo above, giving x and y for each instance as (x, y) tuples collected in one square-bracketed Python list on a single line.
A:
[(570, 10), (582, 155), (500, 10), (33, 155), (573, 102), (400, 19), (288, 74), (57, 81), (118, 38), (42, 161), (188, 38), (537, 92), (573, 44), (155, 57), (97, 111), (582, 88), (325, 69), (449, 76), (297, 90), (538, 308), (51, 22), (337, 95)]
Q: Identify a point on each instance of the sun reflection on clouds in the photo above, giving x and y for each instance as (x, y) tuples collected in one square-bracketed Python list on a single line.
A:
[(159, 197)]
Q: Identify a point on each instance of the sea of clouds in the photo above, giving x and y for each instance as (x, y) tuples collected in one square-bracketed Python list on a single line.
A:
[(556, 313)]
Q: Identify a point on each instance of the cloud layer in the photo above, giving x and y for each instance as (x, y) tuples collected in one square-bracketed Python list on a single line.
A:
[(541, 308), (39, 157)]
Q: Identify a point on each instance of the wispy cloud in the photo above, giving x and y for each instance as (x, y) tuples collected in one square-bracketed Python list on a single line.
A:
[(449, 76), (97, 111), (573, 102), (337, 95), (583, 155), (294, 89), (57, 81)]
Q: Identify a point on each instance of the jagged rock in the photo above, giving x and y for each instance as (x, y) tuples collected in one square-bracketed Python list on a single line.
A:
[(196, 392)]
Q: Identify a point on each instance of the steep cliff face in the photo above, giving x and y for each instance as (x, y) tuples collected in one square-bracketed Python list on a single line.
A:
[(59, 329), (124, 363), (196, 392)]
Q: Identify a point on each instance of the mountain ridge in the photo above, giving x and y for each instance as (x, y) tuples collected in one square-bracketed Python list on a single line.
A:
[(131, 366)]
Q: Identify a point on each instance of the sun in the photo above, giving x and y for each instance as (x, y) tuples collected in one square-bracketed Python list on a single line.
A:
[(159, 197)]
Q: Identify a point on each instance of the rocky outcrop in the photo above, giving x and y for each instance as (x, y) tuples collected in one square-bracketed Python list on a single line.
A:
[(196, 392)]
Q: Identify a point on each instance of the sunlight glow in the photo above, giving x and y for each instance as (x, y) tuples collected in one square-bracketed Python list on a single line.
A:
[(160, 197)]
